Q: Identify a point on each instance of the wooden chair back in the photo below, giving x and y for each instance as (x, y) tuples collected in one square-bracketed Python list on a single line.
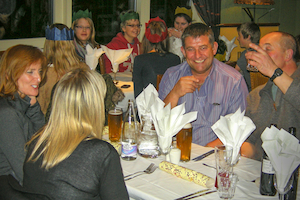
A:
[(158, 79), (257, 79), (101, 64)]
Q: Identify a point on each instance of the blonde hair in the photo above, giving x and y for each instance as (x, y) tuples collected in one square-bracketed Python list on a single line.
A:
[(13, 64), (77, 115), (93, 32)]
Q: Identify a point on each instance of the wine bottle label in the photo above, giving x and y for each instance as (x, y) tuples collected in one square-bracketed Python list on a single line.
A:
[(129, 149), (267, 167)]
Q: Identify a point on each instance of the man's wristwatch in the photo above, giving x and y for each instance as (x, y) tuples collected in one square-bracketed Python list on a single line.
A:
[(278, 72)]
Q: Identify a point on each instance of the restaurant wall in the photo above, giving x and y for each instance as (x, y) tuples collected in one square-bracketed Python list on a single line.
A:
[(284, 13)]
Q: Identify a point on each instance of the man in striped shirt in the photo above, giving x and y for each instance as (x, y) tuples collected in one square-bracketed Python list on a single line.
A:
[(206, 85)]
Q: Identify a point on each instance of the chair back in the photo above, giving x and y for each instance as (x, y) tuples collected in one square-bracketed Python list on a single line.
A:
[(101, 64), (158, 79), (257, 79)]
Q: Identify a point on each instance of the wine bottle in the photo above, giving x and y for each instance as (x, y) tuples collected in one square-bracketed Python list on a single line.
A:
[(292, 193), (129, 134), (267, 176)]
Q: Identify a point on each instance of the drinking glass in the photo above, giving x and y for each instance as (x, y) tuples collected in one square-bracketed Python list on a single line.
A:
[(223, 157), (116, 66), (250, 67), (184, 142), (115, 124), (227, 185), (282, 192)]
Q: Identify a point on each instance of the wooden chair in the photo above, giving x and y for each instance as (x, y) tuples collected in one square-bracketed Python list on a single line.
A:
[(257, 79), (158, 79), (101, 64)]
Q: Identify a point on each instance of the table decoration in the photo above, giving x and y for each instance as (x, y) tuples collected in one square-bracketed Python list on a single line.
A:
[(233, 129), (187, 174)]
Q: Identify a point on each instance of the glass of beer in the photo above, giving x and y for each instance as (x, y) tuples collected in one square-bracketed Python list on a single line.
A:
[(115, 124), (184, 142)]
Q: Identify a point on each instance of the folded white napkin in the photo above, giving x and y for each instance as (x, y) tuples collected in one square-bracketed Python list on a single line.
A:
[(168, 122), (116, 57), (229, 44), (92, 56), (283, 150), (146, 99), (233, 130)]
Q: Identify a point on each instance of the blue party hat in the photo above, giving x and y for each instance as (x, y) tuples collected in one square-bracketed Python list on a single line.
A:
[(57, 35)]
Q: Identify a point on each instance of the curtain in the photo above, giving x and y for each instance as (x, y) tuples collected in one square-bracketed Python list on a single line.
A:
[(210, 11)]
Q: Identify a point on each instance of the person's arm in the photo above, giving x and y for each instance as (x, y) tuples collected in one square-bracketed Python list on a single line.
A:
[(112, 184), (186, 84), (247, 150), (214, 143), (12, 141), (264, 63)]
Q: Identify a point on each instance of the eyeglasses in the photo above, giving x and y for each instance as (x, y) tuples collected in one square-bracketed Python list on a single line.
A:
[(82, 27), (132, 25)]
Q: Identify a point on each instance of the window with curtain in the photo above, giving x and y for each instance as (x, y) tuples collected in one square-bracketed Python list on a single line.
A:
[(25, 18)]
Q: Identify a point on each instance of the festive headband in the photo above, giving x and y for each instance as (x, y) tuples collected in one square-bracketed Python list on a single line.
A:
[(155, 38), (81, 14), (58, 35), (184, 10), (129, 15)]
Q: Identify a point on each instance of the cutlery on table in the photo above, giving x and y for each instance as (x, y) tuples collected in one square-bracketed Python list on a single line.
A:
[(200, 191), (209, 192), (204, 155), (150, 169), (208, 165)]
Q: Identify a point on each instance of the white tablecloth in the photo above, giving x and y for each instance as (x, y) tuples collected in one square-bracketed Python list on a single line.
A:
[(161, 185)]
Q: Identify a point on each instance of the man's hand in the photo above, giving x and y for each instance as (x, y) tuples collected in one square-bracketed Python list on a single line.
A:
[(261, 60), (186, 84)]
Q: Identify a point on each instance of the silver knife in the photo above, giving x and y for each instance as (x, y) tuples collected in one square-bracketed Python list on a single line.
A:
[(201, 194), (200, 191), (204, 155)]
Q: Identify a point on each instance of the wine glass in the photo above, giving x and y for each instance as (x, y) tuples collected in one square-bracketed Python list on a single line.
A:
[(115, 69), (250, 67), (282, 192)]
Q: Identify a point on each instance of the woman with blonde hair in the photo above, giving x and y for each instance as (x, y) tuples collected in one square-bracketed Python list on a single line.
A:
[(84, 30), (67, 158), (22, 68), (61, 56), (156, 58)]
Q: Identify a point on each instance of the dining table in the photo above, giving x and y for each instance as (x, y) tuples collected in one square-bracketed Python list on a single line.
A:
[(125, 83), (165, 186)]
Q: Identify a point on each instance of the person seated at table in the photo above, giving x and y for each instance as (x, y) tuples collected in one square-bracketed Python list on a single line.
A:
[(67, 158), (84, 32), (22, 69), (61, 56), (203, 83), (277, 101), (182, 19), (156, 58), (127, 39), (247, 33)]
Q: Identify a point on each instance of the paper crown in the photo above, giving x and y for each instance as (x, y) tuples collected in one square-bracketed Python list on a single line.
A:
[(129, 15), (155, 38), (81, 14), (58, 35), (184, 10)]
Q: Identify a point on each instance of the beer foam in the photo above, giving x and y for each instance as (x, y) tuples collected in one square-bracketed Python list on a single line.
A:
[(187, 126), (115, 112)]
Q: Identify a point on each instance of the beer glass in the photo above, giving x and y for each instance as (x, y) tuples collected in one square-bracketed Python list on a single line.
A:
[(184, 142), (115, 124)]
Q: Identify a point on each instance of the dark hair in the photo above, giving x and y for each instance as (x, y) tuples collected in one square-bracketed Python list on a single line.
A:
[(197, 30), (185, 16), (250, 28)]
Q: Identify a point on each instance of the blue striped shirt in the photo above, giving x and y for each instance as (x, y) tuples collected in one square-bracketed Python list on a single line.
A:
[(222, 93)]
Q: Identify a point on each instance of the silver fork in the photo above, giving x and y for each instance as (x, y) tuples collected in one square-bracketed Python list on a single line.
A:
[(150, 169)]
